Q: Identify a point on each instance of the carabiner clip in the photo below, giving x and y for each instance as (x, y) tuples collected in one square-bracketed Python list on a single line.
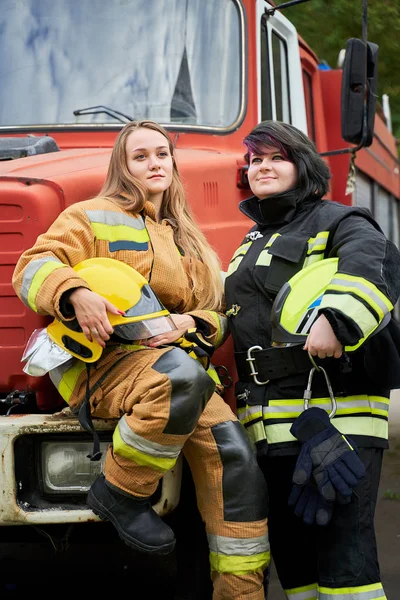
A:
[(308, 392), (223, 374)]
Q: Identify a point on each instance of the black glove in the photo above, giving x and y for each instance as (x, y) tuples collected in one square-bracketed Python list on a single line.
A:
[(326, 454), (310, 505)]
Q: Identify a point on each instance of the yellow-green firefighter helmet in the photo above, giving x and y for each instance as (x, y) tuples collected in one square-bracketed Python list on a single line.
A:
[(144, 315), (296, 305)]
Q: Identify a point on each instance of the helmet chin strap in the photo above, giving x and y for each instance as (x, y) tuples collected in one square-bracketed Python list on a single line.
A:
[(85, 415), (85, 419)]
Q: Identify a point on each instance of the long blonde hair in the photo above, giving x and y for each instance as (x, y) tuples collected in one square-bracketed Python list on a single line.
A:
[(129, 193)]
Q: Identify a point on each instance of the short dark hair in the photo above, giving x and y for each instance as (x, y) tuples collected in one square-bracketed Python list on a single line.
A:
[(296, 146)]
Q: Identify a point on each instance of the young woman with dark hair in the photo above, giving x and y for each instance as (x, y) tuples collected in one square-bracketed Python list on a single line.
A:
[(322, 490)]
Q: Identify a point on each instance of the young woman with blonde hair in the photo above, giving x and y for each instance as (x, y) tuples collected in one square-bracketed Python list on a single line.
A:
[(163, 398)]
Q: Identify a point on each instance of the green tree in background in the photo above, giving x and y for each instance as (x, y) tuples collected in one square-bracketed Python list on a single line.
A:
[(326, 25)]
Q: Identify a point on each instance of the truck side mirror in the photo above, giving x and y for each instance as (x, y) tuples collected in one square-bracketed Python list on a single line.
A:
[(360, 73)]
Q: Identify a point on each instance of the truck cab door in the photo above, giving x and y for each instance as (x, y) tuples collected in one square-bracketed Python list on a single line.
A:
[(279, 76)]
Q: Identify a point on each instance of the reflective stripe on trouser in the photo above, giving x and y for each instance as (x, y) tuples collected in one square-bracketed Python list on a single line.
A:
[(365, 592), (306, 592), (356, 415), (232, 499), (314, 592)]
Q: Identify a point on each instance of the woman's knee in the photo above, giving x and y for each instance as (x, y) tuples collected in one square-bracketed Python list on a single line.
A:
[(191, 388)]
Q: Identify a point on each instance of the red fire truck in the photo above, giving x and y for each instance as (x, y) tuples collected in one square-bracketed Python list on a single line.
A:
[(72, 74)]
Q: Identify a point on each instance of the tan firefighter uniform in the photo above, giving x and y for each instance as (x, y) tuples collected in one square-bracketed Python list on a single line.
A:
[(162, 397)]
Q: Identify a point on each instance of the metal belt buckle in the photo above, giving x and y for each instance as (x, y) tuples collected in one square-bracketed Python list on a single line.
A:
[(251, 360)]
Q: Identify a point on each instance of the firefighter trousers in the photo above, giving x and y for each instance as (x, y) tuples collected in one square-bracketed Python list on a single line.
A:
[(334, 562), (166, 405)]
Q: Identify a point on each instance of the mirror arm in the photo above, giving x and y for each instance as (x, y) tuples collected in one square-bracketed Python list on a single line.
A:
[(354, 149), (271, 11)]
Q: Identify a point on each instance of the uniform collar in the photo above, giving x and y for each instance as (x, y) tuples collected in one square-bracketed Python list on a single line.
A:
[(279, 208), (149, 210)]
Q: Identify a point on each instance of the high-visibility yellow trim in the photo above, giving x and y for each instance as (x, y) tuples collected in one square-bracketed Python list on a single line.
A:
[(264, 258), (272, 239), (140, 458), (237, 258), (281, 409), (356, 425), (314, 258), (318, 242), (367, 284), (233, 265), (241, 250), (134, 347), (250, 417), (307, 592), (221, 325), (115, 233), (69, 380), (213, 374), (239, 565), (344, 297), (354, 591), (38, 280), (256, 432), (355, 309), (365, 405)]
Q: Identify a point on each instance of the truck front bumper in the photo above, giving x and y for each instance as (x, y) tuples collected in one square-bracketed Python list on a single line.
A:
[(35, 472)]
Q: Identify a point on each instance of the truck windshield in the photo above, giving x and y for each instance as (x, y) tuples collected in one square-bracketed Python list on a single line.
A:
[(174, 61)]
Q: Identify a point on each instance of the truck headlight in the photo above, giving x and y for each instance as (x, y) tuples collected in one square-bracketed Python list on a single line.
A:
[(66, 468)]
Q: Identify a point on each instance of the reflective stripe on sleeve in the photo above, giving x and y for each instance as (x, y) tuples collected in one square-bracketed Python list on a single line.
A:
[(359, 299), (36, 272), (222, 326), (66, 376), (143, 452)]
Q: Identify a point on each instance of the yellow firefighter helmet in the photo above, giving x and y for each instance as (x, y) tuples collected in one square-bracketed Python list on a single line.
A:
[(144, 315)]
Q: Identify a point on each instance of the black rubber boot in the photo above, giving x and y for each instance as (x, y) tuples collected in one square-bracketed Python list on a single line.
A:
[(134, 518)]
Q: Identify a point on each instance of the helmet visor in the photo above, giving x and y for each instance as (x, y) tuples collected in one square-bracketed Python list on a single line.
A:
[(143, 330), (148, 304)]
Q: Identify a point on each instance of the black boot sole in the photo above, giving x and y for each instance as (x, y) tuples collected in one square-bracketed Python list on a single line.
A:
[(106, 515)]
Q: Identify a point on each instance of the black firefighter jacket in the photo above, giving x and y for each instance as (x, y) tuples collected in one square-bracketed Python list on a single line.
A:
[(369, 286)]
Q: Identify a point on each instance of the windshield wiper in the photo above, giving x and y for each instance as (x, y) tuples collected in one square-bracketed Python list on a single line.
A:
[(101, 109)]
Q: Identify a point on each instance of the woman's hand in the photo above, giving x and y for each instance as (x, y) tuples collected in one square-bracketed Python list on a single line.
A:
[(91, 314), (321, 340), (182, 322)]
